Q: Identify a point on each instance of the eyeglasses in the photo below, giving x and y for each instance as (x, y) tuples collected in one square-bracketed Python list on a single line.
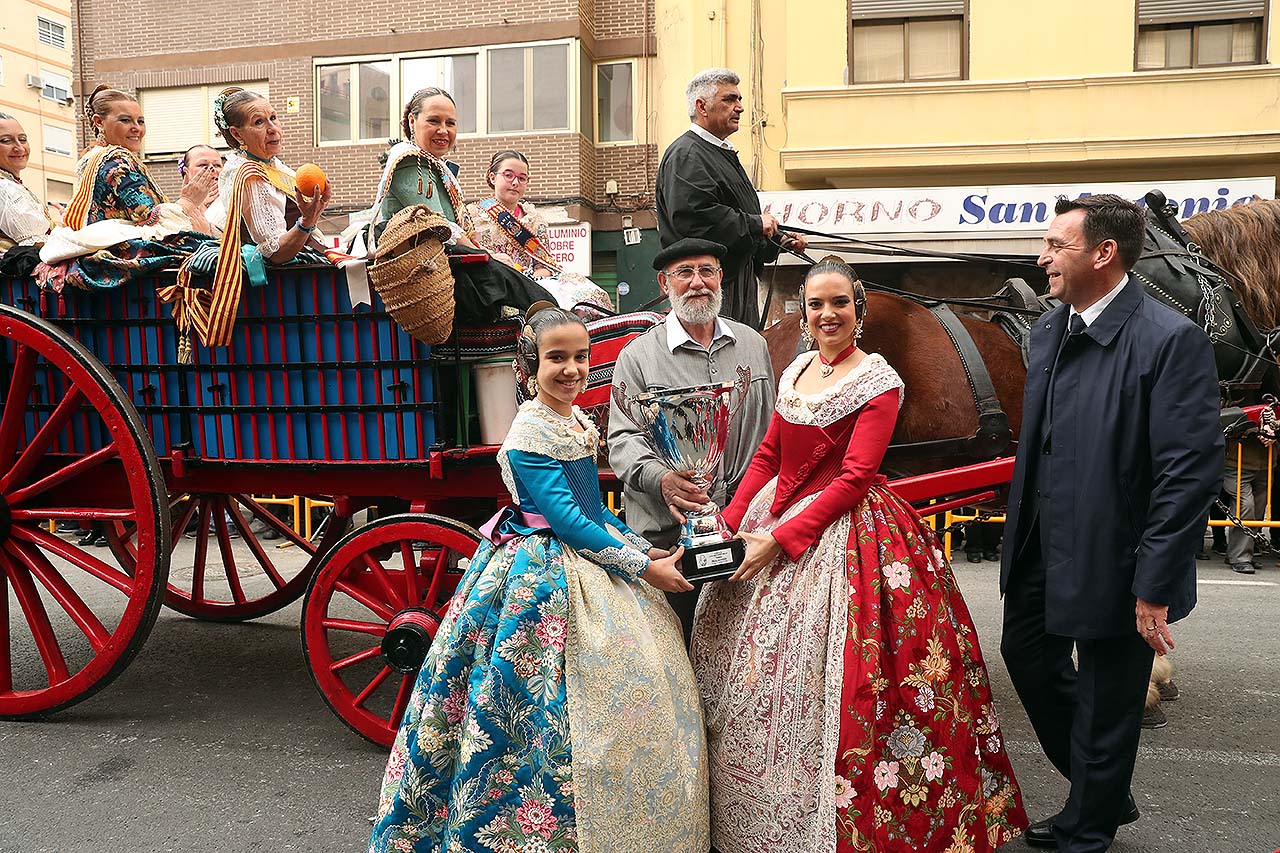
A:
[(512, 176), (684, 275)]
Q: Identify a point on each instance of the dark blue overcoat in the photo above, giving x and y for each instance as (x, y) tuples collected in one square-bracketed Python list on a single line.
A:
[(1136, 458)]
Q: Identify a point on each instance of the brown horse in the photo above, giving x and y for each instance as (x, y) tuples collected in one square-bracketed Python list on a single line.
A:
[(938, 403), (1245, 241)]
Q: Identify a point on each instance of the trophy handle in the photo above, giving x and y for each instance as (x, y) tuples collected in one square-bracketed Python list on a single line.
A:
[(742, 385), (623, 403)]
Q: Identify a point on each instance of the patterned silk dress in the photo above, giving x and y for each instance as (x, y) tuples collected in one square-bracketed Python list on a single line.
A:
[(556, 710), (846, 699)]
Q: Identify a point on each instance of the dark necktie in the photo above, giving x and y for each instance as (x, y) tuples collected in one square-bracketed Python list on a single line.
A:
[(1075, 328)]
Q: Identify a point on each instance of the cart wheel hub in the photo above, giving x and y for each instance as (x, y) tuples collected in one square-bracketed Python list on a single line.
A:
[(409, 638), (6, 521)]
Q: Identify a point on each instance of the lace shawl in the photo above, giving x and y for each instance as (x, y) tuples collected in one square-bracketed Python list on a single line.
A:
[(534, 430), (264, 214), (868, 380), (23, 218)]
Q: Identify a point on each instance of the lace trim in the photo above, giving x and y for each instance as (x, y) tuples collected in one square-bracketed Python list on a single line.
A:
[(623, 558), (637, 541), (868, 380), (536, 431), (264, 215)]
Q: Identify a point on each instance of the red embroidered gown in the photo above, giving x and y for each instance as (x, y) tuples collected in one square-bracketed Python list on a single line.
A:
[(846, 699)]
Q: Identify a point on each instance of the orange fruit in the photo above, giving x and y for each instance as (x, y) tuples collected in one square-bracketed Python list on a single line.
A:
[(310, 179)]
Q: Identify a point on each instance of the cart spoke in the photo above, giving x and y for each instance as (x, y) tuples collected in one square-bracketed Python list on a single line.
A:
[(363, 695), (76, 556), (202, 551), (13, 422), (376, 607), (6, 665), (412, 589), (37, 620), (180, 524), (35, 451), (259, 553), (358, 657), (224, 547), (437, 578), (372, 628), (384, 581), (270, 520), (62, 592), (62, 475), (402, 701)]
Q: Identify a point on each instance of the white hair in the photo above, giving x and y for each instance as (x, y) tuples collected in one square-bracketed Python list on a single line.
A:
[(703, 86)]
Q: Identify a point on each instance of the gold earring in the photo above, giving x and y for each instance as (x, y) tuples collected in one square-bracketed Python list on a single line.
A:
[(532, 385), (806, 334)]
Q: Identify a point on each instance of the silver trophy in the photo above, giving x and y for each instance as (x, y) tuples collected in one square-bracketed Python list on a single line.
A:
[(688, 428)]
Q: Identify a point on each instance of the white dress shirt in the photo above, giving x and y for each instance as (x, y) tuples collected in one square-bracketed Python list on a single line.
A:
[(1094, 311), (712, 138)]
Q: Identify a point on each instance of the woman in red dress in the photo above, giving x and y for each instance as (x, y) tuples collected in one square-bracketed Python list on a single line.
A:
[(846, 699)]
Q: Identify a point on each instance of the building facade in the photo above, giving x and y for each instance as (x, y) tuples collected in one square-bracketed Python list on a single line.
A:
[(971, 98), (35, 88), (561, 81)]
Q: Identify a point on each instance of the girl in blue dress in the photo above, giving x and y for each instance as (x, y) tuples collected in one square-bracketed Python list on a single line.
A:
[(557, 709)]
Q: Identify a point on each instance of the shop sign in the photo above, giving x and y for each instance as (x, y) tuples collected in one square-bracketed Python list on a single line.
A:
[(570, 245), (985, 208)]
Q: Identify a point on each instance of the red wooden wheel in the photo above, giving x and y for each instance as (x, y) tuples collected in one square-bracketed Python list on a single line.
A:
[(71, 447), (356, 594), (222, 571)]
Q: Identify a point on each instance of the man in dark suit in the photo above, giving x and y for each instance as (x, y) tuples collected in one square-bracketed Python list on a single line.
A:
[(1119, 457), (703, 192)]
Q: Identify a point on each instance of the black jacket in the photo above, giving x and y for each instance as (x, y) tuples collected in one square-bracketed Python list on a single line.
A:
[(1135, 461)]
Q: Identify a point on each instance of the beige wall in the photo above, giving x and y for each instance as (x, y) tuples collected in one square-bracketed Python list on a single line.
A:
[(22, 54), (1051, 95)]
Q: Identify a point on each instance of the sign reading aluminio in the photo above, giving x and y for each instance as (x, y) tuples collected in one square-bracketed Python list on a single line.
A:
[(570, 245), (979, 209)]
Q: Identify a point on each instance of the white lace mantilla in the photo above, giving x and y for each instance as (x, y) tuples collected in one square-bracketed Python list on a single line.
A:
[(865, 382), (535, 430)]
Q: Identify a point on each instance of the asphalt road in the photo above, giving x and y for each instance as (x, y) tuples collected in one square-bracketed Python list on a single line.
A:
[(216, 740)]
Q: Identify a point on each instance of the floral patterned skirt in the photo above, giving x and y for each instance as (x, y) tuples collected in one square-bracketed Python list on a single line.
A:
[(847, 703), (556, 711)]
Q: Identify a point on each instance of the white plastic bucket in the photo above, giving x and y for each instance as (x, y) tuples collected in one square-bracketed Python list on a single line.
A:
[(495, 383)]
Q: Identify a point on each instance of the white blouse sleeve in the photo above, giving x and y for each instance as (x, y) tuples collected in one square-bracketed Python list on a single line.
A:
[(21, 219), (264, 216)]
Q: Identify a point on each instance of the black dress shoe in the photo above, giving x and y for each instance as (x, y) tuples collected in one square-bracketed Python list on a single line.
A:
[(1040, 833)]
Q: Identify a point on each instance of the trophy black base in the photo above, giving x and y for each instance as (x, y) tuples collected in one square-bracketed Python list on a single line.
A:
[(713, 561)]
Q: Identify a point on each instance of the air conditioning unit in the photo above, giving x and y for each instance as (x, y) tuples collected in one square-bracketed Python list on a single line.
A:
[(35, 81)]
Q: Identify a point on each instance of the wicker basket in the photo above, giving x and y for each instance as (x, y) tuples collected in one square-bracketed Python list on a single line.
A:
[(411, 273)]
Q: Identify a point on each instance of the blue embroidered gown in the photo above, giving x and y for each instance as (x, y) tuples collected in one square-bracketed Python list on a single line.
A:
[(556, 710)]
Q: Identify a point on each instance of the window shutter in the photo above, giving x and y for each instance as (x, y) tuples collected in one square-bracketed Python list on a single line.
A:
[(1175, 11), (870, 9), (176, 119)]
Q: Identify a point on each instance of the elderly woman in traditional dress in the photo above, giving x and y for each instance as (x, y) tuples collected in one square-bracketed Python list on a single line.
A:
[(510, 229), (119, 224), (258, 202), (417, 171), (24, 220), (111, 180)]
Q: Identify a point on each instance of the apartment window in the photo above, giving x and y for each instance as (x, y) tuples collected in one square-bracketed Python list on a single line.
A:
[(181, 116), (615, 102), (503, 89), (897, 41), (58, 140), (529, 88), (1199, 33), (56, 86), (51, 33), (456, 74), (354, 100)]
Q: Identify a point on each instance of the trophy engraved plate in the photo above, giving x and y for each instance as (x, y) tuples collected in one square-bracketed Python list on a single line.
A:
[(688, 428)]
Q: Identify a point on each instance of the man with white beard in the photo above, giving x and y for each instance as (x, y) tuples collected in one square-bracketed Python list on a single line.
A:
[(695, 346)]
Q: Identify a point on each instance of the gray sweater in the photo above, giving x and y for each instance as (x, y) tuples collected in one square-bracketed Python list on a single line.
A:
[(648, 364)]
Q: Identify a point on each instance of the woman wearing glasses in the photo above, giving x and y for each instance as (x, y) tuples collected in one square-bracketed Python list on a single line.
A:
[(511, 230)]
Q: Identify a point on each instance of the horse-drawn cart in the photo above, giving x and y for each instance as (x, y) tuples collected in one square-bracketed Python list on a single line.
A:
[(102, 425)]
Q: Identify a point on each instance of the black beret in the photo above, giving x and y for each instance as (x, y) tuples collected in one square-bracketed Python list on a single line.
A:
[(688, 247)]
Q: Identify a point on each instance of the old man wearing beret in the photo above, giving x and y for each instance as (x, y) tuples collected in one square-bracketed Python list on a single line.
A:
[(695, 346)]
